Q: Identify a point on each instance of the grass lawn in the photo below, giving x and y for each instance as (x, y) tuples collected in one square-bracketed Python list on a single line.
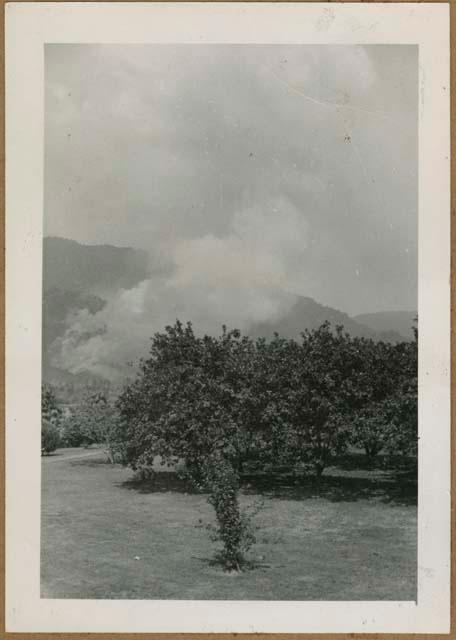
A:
[(107, 536)]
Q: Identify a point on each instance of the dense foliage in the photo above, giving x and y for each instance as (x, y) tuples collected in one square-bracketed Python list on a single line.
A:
[(221, 404), (51, 410), (387, 420), (50, 437), (92, 421), (51, 421)]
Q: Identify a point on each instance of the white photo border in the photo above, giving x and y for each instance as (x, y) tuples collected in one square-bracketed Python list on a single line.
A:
[(28, 27)]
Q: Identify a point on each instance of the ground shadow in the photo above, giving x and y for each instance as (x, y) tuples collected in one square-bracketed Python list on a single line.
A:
[(90, 462), (358, 461), (398, 488), (335, 488), (381, 463), (160, 482), (247, 565)]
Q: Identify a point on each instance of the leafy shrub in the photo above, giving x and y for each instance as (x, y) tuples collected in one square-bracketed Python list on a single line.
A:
[(93, 421), (50, 437), (51, 420), (72, 432), (402, 444), (370, 430), (50, 408)]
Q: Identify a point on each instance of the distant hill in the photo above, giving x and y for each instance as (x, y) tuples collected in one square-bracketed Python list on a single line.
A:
[(98, 269), (309, 314), (78, 277), (399, 321)]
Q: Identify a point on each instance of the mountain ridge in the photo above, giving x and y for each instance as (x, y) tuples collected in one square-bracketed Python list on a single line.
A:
[(307, 313), (97, 269), (402, 321), (78, 277)]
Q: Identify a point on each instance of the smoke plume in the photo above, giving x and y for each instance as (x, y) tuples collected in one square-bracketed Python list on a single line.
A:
[(240, 279)]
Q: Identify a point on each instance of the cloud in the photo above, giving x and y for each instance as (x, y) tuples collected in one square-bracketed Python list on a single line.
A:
[(146, 142)]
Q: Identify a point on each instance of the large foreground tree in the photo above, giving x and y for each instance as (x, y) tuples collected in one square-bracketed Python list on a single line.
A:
[(189, 404)]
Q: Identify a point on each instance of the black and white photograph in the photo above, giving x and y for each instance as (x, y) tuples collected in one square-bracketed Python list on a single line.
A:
[(230, 322), (230, 332)]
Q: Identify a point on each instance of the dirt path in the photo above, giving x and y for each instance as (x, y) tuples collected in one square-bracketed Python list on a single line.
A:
[(64, 458)]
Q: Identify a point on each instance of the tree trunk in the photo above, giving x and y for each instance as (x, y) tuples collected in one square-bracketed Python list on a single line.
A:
[(319, 468), (224, 487)]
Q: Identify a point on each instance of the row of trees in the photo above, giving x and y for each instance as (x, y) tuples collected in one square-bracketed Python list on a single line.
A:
[(90, 421), (225, 404), (268, 403), (221, 404)]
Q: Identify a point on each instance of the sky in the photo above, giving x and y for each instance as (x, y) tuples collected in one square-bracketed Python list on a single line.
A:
[(242, 169)]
